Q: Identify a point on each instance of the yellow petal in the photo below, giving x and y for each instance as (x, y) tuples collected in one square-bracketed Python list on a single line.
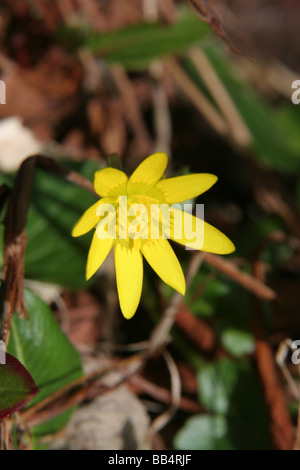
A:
[(182, 188), (110, 182), (150, 170), (163, 260), (89, 219), (197, 234), (99, 250), (129, 274)]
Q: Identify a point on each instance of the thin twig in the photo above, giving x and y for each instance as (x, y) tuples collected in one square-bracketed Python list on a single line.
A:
[(163, 419), (150, 10), (255, 285), (14, 245), (274, 199), (99, 382), (160, 334), (142, 385), (132, 109), (211, 17), (5, 434), (162, 120), (197, 331), (204, 106), (238, 128)]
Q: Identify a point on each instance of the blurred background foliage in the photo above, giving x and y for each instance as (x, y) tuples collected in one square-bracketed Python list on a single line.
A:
[(211, 86)]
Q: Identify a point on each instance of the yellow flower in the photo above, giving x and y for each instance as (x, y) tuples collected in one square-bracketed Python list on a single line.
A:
[(136, 216)]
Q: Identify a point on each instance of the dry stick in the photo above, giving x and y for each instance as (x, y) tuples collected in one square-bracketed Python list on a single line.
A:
[(210, 16), (15, 236), (271, 76), (239, 130), (48, 164), (82, 388), (14, 245), (168, 10), (191, 90), (160, 334), (150, 10), (162, 119), (94, 383), (165, 417), (141, 385), (198, 331), (274, 199), (5, 434), (2, 434), (272, 196), (131, 108), (281, 428), (256, 286), (19, 424)]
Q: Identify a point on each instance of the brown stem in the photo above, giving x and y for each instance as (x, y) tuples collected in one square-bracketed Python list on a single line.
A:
[(211, 17), (198, 332), (254, 285), (141, 385), (281, 428), (92, 384)]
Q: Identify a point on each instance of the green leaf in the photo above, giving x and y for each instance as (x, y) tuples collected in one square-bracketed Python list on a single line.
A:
[(204, 293), (45, 351), (203, 433), (135, 47), (17, 387), (234, 328), (213, 294), (216, 385), (231, 389), (287, 117), (275, 135), (237, 342)]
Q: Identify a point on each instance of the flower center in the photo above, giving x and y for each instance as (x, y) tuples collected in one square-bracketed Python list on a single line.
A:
[(135, 218)]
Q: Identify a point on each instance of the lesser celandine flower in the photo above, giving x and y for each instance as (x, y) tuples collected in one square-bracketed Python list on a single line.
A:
[(136, 216)]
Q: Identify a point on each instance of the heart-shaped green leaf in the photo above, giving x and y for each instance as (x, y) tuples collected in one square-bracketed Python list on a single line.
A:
[(17, 387)]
